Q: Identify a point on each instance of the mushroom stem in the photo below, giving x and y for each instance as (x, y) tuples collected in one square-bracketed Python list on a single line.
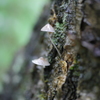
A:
[(54, 45)]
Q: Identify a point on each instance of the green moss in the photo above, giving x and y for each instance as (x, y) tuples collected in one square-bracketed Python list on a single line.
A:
[(75, 66), (64, 18), (42, 97), (72, 67), (60, 26), (46, 81), (59, 35)]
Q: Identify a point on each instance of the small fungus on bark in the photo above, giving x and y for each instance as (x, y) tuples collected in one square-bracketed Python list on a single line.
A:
[(49, 29), (41, 61)]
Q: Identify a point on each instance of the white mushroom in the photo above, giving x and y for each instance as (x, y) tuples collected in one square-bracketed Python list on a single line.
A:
[(41, 61), (48, 28)]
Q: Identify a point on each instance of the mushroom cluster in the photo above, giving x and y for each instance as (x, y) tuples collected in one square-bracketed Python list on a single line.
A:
[(43, 61)]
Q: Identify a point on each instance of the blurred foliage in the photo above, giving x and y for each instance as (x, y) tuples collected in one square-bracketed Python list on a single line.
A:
[(17, 19)]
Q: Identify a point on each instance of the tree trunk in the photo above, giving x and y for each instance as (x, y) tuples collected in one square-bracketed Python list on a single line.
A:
[(72, 76)]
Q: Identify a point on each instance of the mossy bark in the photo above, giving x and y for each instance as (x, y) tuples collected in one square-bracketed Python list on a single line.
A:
[(75, 74)]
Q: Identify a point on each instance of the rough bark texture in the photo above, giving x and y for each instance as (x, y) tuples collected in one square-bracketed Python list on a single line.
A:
[(75, 74)]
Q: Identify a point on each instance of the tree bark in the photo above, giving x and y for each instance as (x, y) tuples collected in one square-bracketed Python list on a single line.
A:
[(75, 74)]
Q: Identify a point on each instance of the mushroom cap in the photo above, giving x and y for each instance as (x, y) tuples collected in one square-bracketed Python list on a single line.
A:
[(48, 28), (41, 61)]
